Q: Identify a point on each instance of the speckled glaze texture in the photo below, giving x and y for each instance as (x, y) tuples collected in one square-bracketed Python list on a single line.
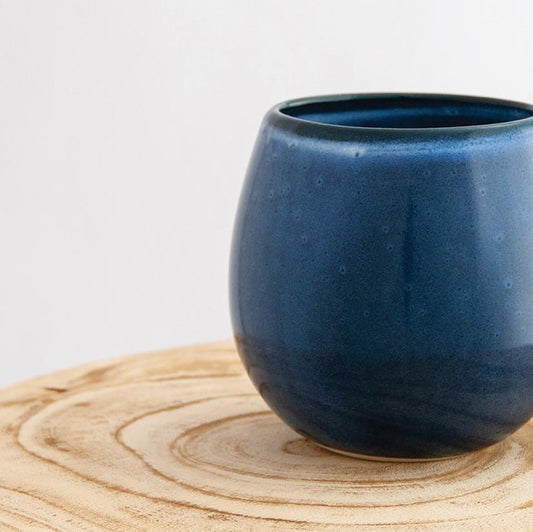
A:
[(381, 281)]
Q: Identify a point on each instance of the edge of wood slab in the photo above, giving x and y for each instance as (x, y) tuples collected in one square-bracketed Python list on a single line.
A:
[(53, 381)]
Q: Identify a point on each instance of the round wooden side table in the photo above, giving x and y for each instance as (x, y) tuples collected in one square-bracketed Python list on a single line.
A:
[(180, 440)]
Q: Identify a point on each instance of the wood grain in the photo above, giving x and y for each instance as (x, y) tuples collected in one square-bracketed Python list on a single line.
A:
[(180, 440)]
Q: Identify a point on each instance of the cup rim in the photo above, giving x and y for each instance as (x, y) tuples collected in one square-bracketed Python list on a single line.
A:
[(312, 128)]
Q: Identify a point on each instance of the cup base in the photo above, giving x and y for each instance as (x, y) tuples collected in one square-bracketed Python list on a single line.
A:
[(374, 458)]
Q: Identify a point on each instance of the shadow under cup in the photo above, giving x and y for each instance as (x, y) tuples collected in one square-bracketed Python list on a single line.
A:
[(381, 280)]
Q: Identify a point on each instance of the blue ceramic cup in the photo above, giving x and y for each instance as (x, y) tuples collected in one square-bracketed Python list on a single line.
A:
[(382, 271)]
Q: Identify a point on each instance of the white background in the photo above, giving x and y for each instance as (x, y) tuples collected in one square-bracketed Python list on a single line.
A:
[(126, 127)]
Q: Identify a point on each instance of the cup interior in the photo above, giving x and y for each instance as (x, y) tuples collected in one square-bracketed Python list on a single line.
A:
[(407, 111)]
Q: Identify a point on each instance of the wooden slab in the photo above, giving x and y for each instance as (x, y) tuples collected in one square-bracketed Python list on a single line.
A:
[(180, 440)]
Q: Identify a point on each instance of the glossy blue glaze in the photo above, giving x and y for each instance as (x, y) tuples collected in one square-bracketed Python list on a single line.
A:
[(382, 271)]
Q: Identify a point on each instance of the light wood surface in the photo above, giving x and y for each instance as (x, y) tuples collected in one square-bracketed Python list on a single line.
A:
[(180, 440)]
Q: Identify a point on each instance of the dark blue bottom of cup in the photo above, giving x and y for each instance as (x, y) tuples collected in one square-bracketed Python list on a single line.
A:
[(404, 407)]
